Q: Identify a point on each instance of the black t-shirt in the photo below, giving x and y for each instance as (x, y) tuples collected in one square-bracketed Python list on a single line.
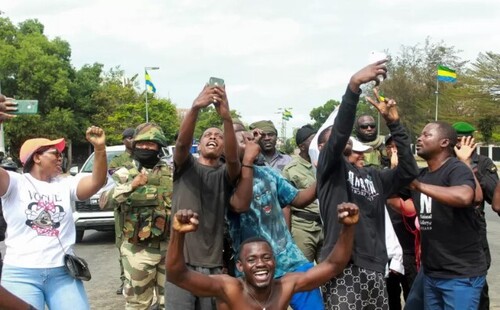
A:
[(205, 190), (451, 243)]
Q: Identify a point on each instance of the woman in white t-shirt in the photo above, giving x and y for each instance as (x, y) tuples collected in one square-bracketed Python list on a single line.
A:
[(40, 226)]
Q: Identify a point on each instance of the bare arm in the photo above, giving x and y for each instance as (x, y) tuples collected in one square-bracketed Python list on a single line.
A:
[(89, 185), (405, 207), (230, 145), (6, 105), (9, 301), (242, 196), (185, 221), (460, 196), (186, 132), (305, 197), (338, 257), (287, 214), (4, 181)]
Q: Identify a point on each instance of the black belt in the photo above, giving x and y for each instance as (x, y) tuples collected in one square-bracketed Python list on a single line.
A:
[(308, 216)]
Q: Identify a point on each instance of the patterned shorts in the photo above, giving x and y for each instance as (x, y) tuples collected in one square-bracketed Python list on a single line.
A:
[(356, 288)]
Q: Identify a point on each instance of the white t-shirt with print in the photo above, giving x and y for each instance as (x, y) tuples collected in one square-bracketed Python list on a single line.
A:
[(36, 213)]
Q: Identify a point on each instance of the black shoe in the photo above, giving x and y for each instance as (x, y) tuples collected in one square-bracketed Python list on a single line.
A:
[(119, 291)]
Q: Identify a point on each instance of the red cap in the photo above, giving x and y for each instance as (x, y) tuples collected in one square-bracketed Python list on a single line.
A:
[(30, 146)]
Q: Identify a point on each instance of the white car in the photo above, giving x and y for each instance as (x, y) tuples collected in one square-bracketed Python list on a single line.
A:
[(87, 214)]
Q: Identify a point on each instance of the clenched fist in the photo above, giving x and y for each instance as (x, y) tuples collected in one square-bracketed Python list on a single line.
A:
[(348, 213)]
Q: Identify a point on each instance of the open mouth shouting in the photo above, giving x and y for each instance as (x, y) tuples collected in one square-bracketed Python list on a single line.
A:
[(212, 145)]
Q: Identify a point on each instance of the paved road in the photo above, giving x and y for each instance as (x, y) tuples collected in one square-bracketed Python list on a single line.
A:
[(99, 250), (494, 273)]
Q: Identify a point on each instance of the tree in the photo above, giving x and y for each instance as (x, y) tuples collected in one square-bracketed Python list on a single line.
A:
[(34, 67), (412, 82), (320, 114), (207, 118), (289, 146), (161, 111), (486, 70), (486, 126)]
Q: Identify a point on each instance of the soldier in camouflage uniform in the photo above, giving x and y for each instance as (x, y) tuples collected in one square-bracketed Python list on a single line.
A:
[(120, 161), (142, 197)]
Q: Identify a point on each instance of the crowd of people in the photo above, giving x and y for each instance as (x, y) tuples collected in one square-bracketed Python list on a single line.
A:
[(349, 222)]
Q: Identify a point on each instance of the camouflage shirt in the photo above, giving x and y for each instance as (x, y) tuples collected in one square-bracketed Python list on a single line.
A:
[(143, 212)]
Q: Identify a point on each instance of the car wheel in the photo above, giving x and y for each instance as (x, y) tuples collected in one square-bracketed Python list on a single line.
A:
[(79, 235)]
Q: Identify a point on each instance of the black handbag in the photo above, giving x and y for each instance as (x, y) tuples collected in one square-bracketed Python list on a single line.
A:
[(77, 267)]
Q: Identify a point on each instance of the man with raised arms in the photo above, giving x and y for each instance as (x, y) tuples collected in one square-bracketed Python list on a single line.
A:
[(257, 289)]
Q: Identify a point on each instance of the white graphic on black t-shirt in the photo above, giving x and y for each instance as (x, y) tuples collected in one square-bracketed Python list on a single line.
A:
[(44, 216), (362, 186), (425, 216)]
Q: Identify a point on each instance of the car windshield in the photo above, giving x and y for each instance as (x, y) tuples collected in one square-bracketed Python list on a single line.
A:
[(90, 162)]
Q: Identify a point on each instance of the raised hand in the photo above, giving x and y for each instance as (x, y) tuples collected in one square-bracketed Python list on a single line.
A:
[(394, 158), (207, 96), (348, 213), (252, 147), (96, 137), (386, 107), (185, 221), (6, 105), (222, 104), (367, 74), (467, 147)]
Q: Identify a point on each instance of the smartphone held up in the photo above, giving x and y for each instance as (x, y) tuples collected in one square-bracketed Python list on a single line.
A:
[(213, 81), (375, 56), (25, 107)]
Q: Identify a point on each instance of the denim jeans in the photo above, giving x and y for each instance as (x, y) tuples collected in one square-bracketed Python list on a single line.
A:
[(459, 293), (53, 287)]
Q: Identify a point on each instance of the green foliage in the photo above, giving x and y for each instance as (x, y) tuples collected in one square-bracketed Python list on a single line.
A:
[(412, 82), (289, 146), (320, 114), (486, 70), (34, 67), (486, 126), (207, 118)]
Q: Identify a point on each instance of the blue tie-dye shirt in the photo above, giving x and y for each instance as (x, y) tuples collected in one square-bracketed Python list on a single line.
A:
[(265, 219)]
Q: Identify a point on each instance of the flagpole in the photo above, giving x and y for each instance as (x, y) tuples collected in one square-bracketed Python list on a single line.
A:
[(437, 98), (146, 88)]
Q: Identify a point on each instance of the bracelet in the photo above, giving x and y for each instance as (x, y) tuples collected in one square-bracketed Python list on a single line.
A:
[(248, 166)]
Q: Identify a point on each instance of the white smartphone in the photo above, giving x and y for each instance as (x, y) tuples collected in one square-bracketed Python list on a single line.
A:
[(374, 57)]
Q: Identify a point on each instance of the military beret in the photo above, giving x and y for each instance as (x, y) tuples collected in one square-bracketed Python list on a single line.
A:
[(265, 126), (303, 133), (464, 128)]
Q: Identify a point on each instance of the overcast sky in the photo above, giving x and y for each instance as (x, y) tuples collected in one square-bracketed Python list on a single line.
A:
[(272, 54)]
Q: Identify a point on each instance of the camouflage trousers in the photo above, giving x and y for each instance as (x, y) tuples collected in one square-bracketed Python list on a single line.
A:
[(144, 269)]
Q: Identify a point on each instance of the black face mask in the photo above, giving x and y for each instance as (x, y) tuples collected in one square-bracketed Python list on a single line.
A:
[(147, 158)]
